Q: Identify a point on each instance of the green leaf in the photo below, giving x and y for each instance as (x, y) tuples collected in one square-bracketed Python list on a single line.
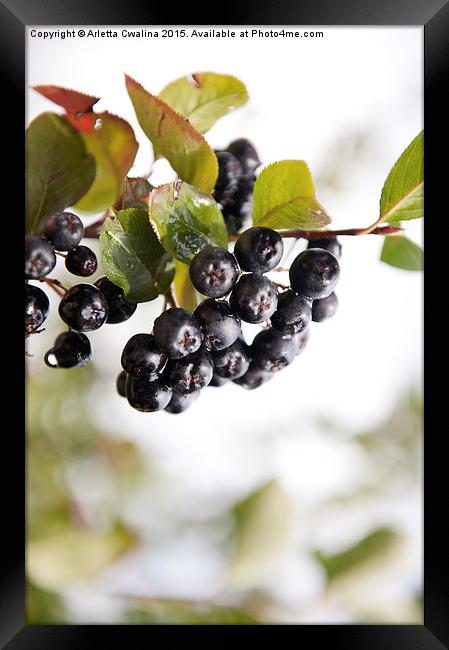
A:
[(59, 170), (284, 198), (184, 289), (135, 193), (175, 138), (72, 554), (43, 606), (403, 193), (262, 523), (402, 253), (204, 97), (132, 256), (186, 220), (377, 542), (111, 141)]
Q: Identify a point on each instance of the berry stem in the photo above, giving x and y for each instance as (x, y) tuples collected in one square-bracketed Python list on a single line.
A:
[(56, 286), (318, 234), (169, 299)]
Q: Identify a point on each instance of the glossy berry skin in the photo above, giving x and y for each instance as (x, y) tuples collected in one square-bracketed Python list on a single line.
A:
[(219, 326), (214, 272), (83, 308), (254, 298), (70, 350), (36, 308), (300, 340), (232, 362), (180, 402), (40, 258), (293, 313), (314, 273), (147, 396), (324, 308), (119, 307), (217, 381), (191, 373), (272, 351), (246, 154), (229, 172), (82, 261), (253, 378), (330, 244), (141, 357), (259, 250), (237, 210), (120, 383), (177, 333), (64, 230)]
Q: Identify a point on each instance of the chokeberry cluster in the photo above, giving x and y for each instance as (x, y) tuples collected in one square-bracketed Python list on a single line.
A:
[(168, 368), (84, 307), (235, 183)]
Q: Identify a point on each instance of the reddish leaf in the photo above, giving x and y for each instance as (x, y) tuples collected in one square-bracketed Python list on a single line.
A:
[(71, 100)]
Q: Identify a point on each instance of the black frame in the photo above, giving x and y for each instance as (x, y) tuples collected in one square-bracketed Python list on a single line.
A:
[(434, 16)]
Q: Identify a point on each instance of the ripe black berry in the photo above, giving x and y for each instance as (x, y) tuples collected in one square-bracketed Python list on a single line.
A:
[(293, 313), (36, 308), (232, 362), (191, 373), (324, 308), (259, 250), (81, 260), (254, 298), (246, 154), (119, 307), (219, 326), (70, 349), (229, 171), (120, 383), (141, 357), (181, 401), (83, 308), (40, 258), (300, 340), (177, 333), (330, 244), (217, 380), (272, 351), (314, 273), (64, 230), (214, 271), (253, 378), (147, 396), (237, 210)]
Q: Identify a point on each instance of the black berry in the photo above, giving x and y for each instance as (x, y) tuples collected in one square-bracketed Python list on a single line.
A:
[(293, 313), (119, 307), (64, 230), (40, 258), (83, 308), (330, 244), (254, 298), (81, 260), (324, 308), (253, 378), (246, 154), (300, 340), (181, 401), (191, 373), (314, 273), (70, 349), (120, 383), (217, 380), (177, 333), (141, 356), (229, 171), (214, 272), (237, 210), (232, 362), (219, 326), (259, 250), (272, 351), (36, 308), (147, 396)]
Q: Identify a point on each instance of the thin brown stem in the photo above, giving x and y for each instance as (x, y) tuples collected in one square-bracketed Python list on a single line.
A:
[(169, 299), (318, 234), (56, 286)]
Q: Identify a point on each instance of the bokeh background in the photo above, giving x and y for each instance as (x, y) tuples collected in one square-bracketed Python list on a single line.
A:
[(300, 501)]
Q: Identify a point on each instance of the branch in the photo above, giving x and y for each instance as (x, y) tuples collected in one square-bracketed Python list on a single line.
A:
[(318, 234)]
